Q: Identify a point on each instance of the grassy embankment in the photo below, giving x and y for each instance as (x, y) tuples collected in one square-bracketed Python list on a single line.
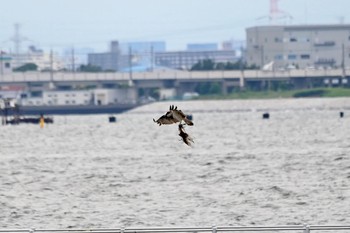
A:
[(316, 92)]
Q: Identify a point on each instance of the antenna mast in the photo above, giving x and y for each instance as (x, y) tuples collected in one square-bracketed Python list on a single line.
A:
[(17, 40), (276, 13)]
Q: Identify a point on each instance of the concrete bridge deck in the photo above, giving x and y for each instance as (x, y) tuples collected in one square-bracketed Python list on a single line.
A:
[(171, 75)]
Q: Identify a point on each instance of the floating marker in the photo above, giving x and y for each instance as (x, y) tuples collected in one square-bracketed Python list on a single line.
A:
[(190, 117), (266, 115), (112, 119), (341, 114)]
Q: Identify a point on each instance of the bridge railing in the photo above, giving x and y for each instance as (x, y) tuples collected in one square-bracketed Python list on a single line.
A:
[(172, 74), (213, 229)]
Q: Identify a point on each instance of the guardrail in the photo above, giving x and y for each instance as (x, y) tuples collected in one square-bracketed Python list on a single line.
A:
[(164, 75), (214, 229)]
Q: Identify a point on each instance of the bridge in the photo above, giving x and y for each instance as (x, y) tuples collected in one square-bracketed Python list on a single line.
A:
[(182, 80)]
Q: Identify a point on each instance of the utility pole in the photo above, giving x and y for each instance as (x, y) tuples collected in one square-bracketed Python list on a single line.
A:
[(130, 63), (152, 58), (343, 63), (51, 84), (262, 57), (1, 63), (51, 66), (73, 60)]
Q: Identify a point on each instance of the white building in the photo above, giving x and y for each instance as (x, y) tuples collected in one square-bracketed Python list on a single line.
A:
[(76, 97), (44, 61), (303, 46), (114, 96), (5, 64), (82, 97)]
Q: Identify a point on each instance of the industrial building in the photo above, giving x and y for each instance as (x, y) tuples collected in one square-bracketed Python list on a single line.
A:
[(145, 56), (5, 63), (186, 59), (301, 46), (121, 56)]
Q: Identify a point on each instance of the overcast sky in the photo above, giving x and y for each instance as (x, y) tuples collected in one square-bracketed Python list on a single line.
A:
[(94, 23)]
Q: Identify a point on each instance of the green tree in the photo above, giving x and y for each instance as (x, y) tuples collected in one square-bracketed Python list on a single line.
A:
[(205, 64), (208, 88), (208, 64), (26, 67), (90, 68)]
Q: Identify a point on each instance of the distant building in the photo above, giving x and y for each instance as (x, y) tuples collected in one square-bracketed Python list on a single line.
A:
[(99, 96), (140, 54), (5, 63), (75, 57), (186, 59), (121, 56), (114, 96), (202, 47), (146, 56), (44, 61), (300, 46), (143, 47), (110, 60)]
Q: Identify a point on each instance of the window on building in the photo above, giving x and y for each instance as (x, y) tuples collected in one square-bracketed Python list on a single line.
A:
[(7, 65), (292, 57), (305, 56), (278, 57), (293, 39)]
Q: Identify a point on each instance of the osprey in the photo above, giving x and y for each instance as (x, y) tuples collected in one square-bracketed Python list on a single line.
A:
[(173, 116)]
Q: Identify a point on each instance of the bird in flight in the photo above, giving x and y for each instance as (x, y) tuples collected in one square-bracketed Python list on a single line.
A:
[(174, 116)]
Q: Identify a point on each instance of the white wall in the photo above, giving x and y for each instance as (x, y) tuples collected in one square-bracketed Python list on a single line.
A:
[(83, 97)]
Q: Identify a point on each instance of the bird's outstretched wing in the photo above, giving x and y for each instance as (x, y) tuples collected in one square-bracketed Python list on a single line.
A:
[(172, 116), (164, 120)]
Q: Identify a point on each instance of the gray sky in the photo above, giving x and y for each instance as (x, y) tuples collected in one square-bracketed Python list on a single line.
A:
[(94, 23)]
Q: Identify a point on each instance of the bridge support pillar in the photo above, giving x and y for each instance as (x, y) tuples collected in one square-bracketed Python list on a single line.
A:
[(224, 87), (300, 83), (241, 81)]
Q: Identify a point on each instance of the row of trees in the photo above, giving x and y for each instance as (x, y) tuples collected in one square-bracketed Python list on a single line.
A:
[(34, 67), (208, 64)]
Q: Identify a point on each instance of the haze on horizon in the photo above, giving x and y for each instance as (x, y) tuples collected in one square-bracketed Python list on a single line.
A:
[(58, 24)]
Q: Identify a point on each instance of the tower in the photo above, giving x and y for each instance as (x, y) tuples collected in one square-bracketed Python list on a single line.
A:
[(276, 13), (17, 40)]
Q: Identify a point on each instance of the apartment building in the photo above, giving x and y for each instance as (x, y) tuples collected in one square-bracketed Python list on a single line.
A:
[(301, 46)]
